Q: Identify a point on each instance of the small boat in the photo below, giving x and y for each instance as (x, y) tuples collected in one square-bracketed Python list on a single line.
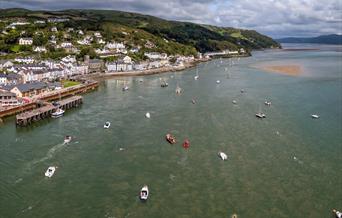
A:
[(186, 144), (170, 138), (242, 91), (141, 80), (268, 103), (148, 115), (106, 125), (178, 90), (164, 84), (144, 193), (193, 101), (50, 171), (125, 88), (234, 102), (315, 116), (260, 115), (197, 76), (58, 113), (67, 139), (338, 214), (222, 155), (218, 81)]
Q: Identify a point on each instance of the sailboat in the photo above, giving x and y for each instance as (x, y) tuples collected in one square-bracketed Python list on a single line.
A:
[(178, 90), (197, 76)]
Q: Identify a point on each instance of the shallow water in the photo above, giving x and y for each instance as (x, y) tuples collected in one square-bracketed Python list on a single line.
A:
[(287, 165)]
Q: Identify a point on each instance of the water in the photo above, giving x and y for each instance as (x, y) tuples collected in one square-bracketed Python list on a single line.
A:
[(287, 165)]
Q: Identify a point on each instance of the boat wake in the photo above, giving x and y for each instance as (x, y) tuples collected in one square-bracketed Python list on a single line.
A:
[(50, 154)]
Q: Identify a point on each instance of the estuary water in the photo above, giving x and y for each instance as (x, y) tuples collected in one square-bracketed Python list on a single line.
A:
[(286, 165)]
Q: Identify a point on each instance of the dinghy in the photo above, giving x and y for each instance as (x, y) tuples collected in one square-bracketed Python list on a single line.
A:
[(50, 171), (314, 116), (186, 144), (67, 139), (106, 125), (222, 155), (144, 193), (170, 138)]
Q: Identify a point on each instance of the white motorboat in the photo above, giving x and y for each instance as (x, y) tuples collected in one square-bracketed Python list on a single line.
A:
[(234, 102), (67, 139), (260, 115), (58, 113), (222, 155), (148, 115), (218, 81), (268, 103), (144, 193), (106, 125), (50, 171), (315, 116), (125, 88)]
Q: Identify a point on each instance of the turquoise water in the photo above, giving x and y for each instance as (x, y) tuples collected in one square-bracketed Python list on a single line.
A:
[(287, 165)]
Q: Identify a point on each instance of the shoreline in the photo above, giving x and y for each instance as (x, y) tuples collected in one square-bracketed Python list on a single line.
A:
[(105, 75)]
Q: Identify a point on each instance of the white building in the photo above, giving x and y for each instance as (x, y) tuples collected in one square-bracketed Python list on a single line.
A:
[(39, 49), (25, 41), (54, 29), (155, 55), (115, 45), (97, 35), (66, 45)]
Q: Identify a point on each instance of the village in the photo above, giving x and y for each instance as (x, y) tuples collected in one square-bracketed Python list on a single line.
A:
[(32, 72)]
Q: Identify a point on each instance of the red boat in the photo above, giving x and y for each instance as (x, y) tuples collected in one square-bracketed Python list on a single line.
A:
[(170, 138), (186, 144)]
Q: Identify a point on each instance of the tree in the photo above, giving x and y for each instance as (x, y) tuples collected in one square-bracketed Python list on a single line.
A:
[(39, 40)]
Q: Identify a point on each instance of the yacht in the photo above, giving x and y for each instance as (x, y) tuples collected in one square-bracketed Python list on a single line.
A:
[(222, 155), (58, 113), (315, 116), (144, 193), (106, 125), (50, 171)]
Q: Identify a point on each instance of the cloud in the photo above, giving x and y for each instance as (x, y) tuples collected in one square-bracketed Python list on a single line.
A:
[(276, 18)]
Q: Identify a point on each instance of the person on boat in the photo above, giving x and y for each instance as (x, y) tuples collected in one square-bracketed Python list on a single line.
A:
[(338, 214)]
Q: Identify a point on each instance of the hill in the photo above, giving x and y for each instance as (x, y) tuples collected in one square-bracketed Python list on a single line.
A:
[(169, 36), (333, 39)]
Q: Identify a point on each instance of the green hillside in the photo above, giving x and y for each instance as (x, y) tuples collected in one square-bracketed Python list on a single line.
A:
[(168, 36)]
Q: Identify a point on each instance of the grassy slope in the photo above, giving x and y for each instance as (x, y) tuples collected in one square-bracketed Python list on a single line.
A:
[(202, 37)]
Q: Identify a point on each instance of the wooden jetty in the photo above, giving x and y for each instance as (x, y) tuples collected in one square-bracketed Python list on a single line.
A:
[(50, 96), (26, 118)]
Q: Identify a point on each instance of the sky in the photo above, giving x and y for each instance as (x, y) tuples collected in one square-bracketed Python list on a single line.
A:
[(275, 18)]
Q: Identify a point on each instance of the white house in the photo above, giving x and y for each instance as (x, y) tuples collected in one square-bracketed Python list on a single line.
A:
[(25, 41), (26, 60), (3, 79), (66, 45), (111, 66), (39, 49), (5, 64), (127, 60), (114, 45), (80, 32), (97, 35), (155, 55), (54, 29)]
